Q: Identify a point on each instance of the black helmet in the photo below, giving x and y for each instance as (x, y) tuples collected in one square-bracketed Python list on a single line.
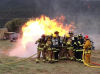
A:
[(80, 35), (70, 32)]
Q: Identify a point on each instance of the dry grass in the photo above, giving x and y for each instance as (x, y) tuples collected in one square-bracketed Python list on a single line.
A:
[(30, 67)]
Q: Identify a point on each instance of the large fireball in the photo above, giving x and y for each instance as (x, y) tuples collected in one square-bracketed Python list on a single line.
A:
[(43, 25), (34, 28)]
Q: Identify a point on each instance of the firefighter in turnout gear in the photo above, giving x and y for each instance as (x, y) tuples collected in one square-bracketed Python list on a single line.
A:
[(62, 54), (55, 47), (75, 46), (66, 51), (49, 50), (71, 34), (70, 48), (80, 47), (87, 50), (41, 48)]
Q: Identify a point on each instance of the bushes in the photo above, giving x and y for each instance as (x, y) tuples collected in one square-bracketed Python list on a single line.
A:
[(15, 24)]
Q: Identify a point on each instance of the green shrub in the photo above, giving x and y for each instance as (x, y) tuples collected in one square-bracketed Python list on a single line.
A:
[(15, 24)]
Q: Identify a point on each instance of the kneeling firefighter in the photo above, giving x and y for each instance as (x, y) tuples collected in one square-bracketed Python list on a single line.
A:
[(41, 48), (87, 50)]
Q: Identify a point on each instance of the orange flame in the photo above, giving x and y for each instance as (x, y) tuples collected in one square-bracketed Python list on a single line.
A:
[(44, 25)]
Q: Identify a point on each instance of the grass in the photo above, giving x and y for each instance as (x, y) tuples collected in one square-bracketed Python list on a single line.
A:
[(6, 45), (30, 67)]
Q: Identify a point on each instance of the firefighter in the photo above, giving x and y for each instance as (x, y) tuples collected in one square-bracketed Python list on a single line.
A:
[(41, 48), (65, 46), (62, 53), (55, 47), (75, 46), (56, 33), (49, 50), (46, 48), (80, 47), (70, 48), (71, 34), (58, 47), (87, 50)]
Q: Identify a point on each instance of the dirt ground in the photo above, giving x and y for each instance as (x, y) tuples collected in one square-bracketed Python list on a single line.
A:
[(30, 67)]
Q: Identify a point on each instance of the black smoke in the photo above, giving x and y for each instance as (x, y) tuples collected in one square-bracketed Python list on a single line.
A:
[(84, 13)]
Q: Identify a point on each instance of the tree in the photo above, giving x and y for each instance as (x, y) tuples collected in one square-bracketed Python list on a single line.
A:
[(15, 24)]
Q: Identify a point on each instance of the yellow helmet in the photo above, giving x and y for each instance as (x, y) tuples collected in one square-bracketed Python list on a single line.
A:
[(54, 35), (67, 35)]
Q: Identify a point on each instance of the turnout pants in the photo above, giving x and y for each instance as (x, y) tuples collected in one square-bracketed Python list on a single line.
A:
[(87, 56), (50, 54), (39, 52), (71, 54), (78, 55), (56, 53), (63, 53)]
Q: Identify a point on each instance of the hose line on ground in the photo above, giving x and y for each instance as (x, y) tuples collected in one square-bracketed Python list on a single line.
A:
[(9, 63), (87, 63)]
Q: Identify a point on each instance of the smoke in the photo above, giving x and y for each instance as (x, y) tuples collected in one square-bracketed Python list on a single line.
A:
[(20, 51), (88, 24), (85, 15), (26, 46)]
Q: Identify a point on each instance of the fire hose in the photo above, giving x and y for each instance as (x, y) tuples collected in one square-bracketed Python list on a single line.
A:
[(36, 53), (90, 63), (95, 63), (20, 60)]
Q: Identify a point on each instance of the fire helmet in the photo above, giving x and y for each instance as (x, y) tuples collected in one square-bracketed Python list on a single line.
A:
[(80, 35), (56, 32), (86, 36), (43, 35), (70, 32), (67, 35), (54, 35)]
